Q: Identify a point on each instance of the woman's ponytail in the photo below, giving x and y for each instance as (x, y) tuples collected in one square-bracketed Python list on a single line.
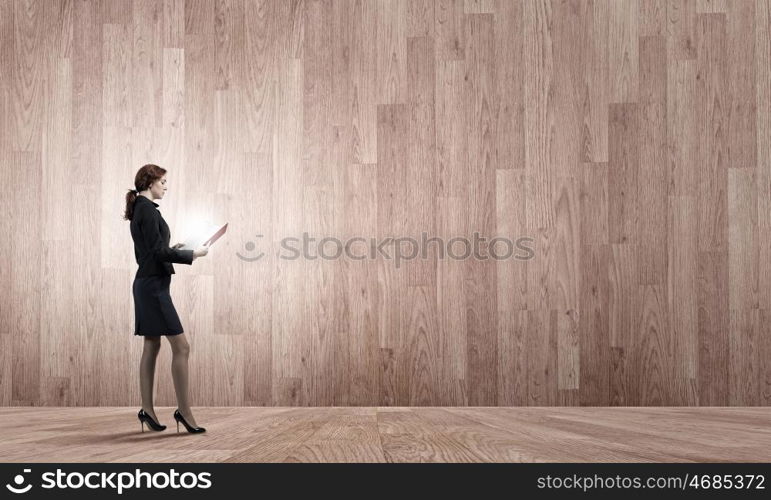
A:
[(131, 197)]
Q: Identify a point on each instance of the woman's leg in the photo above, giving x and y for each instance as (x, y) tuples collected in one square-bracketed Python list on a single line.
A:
[(147, 373), (180, 350)]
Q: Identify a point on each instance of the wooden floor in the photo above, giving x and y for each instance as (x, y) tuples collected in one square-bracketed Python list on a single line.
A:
[(393, 434)]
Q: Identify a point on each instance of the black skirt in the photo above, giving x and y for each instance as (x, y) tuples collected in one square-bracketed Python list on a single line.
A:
[(153, 309)]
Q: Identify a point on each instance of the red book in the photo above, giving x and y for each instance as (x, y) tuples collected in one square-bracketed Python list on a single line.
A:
[(217, 235)]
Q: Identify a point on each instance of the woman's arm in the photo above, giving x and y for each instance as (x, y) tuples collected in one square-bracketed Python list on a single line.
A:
[(148, 225)]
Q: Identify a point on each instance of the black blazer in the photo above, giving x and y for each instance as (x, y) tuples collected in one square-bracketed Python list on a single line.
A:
[(151, 237)]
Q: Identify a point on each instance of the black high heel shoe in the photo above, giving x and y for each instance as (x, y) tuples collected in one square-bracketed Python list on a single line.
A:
[(147, 419), (179, 418)]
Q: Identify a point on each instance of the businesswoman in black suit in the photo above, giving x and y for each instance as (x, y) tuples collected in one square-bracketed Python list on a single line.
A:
[(155, 314)]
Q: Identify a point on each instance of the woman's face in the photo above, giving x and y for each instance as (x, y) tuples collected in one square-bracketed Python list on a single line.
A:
[(158, 188)]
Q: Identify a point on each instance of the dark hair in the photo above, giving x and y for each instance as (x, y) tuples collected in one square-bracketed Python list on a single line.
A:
[(143, 180)]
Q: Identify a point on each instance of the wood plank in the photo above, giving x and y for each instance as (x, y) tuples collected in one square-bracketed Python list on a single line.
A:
[(682, 275), (391, 51), (199, 17), (713, 324), (259, 87), (57, 151), (509, 127), (229, 61), (763, 112), (741, 98), (25, 283), (653, 170), (28, 72), (146, 78), (623, 173), (481, 299), (451, 301), (623, 51), (594, 325), (173, 27), (356, 352), (595, 84), (681, 18), (448, 26), (712, 115), (418, 366)]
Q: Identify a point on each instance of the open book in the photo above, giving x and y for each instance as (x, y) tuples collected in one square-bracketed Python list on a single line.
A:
[(209, 234)]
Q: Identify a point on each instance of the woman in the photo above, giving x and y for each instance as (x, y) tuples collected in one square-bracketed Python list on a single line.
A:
[(154, 311)]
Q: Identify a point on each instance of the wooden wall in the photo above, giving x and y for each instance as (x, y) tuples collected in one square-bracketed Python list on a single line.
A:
[(631, 140)]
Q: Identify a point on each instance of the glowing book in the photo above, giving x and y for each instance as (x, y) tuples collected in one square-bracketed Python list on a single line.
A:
[(208, 235)]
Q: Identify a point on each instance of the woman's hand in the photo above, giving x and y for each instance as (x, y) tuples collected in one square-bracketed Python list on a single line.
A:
[(178, 245), (201, 251)]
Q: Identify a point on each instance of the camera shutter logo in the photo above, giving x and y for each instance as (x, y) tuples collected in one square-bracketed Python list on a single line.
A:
[(19, 480)]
